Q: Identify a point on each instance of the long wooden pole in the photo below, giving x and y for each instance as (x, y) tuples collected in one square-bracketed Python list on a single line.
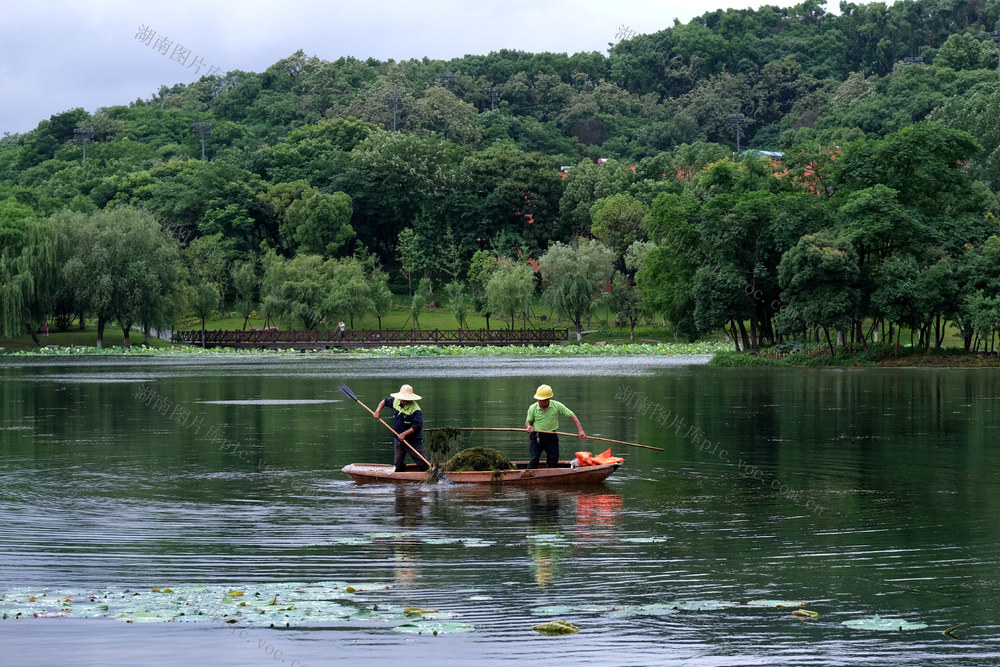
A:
[(572, 435), (346, 391)]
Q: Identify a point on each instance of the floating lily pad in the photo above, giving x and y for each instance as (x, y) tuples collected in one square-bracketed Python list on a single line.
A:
[(434, 628), (703, 605), (556, 609), (440, 616), (394, 536), (553, 628), (657, 609), (263, 604), (641, 540), (805, 613), (367, 587), (631, 611), (350, 541), (883, 624), (552, 610), (144, 617), (774, 603), (471, 542)]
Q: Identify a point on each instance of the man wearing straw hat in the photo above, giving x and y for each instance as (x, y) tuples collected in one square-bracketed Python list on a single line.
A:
[(408, 422), (543, 418)]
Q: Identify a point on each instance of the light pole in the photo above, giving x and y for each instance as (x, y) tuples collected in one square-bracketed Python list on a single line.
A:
[(394, 101), (738, 121), (202, 130), (995, 36), (81, 135), (493, 95)]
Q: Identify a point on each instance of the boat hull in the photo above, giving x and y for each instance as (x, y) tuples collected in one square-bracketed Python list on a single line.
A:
[(368, 473)]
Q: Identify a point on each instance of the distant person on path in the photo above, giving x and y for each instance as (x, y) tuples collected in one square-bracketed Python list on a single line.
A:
[(340, 326), (544, 416), (408, 422)]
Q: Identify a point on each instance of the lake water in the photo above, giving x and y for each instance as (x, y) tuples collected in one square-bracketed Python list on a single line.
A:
[(216, 480)]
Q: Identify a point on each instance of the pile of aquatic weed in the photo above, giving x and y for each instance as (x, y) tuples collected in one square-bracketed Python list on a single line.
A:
[(478, 458), (441, 442)]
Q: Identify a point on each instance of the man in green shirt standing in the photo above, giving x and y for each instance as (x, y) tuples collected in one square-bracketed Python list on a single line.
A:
[(543, 418)]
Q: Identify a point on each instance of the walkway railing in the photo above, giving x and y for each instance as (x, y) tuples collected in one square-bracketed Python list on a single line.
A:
[(327, 338)]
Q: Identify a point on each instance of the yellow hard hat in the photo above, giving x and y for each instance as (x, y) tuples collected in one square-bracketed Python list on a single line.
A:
[(543, 392)]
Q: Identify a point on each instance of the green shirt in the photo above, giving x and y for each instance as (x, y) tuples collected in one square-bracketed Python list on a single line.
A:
[(548, 419)]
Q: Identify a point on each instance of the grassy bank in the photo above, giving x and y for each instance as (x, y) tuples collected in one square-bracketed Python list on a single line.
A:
[(883, 355)]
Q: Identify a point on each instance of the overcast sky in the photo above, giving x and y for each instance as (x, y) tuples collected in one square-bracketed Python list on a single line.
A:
[(60, 54)]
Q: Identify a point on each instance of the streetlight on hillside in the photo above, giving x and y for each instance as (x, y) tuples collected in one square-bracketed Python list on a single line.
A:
[(202, 130), (737, 121), (81, 135), (995, 36), (493, 95), (394, 101)]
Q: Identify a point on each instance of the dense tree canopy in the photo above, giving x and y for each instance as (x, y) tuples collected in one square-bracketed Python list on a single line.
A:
[(868, 131)]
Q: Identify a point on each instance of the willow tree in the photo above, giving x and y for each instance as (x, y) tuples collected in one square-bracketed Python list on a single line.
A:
[(574, 278), (350, 290), (509, 289), (30, 265), (123, 268), (295, 290)]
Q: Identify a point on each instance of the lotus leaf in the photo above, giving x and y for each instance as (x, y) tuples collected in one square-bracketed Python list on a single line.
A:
[(703, 605), (883, 624), (644, 539), (434, 628)]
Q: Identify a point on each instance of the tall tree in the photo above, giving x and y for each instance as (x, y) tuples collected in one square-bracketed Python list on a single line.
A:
[(381, 296), (509, 290), (818, 279), (318, 224), (618, 221), (350, 291), (575, 277), (121, 261), (295, 290), (30, 275)]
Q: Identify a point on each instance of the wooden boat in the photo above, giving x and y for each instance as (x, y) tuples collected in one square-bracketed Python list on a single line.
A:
[(366, 473)]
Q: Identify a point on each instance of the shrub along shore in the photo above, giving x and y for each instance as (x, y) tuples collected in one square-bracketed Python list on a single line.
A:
[(722, 354)]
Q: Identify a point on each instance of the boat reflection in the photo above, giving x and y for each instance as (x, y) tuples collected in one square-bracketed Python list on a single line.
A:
[(409, 504), (560, 520)]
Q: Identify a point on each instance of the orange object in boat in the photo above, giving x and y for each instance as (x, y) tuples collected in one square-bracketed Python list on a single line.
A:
[(588, 459)]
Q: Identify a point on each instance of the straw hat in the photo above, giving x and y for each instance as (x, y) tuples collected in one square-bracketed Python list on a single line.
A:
[(543, 392), (405, 393)]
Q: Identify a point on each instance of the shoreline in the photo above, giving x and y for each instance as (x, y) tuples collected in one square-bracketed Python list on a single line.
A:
[(717, 354)]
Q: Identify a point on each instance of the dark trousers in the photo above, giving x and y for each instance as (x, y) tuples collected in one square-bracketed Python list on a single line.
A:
[(547, 442), (399, 452)]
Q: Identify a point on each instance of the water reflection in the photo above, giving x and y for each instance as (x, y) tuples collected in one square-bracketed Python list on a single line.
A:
[(408, 502), (97, 492), (546, 544), (563, 520), (598, 515)]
